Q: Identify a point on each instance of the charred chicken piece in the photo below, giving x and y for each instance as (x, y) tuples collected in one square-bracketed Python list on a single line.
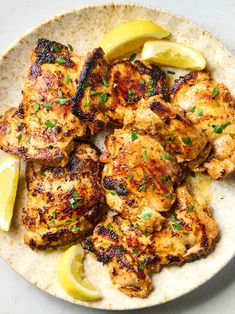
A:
[(105, 90), (42, 127), (210, 107), (64, 203)]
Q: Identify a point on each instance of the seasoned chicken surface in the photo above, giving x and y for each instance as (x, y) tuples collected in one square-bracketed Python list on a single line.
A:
[(64, 203), (42, 127), (139, 177), (210, 107), (105, 90), (176, 133), (189, 232)]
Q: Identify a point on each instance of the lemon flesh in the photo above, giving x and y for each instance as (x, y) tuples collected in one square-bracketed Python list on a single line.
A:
[(9, 177), (129, 36), (71, 276), (172, 54)]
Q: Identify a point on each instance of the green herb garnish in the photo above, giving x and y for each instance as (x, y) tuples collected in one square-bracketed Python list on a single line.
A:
[(142, 82), (220, 127), (60, 60), (187, 141), (62, 101), (67, 79), (70, 47), (200, 112), (36, 107), (51, 124), (132, 57), (19, 137), (191, 208), (103, 98), (215, 92), (134, 136), (93, 92), (145, 155)]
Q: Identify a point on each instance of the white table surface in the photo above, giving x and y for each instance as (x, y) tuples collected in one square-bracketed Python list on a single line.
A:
[(17, 295)]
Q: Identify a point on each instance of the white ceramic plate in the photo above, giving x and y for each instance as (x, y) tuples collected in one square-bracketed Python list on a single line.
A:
[(83, 28)]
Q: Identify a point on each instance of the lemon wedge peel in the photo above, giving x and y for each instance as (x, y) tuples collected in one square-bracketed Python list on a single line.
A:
[(172, 54), (130, 36), (71, 276), (9, 177)]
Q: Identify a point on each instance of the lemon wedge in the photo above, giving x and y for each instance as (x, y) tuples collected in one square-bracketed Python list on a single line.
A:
[(129, 36), (172, 54), (71, 275), (9, 177)]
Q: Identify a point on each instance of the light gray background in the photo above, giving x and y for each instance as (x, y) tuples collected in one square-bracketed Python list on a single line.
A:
[(18, 296)]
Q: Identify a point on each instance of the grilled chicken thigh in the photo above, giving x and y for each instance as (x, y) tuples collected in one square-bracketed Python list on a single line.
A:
[(64, 203), (43, 126), (188, 233), (175, 132), (210, 107), (139, 177), (105, 91)]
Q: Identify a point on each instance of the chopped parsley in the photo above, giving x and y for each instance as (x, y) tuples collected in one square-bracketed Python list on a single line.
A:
[(93, 92), (145, 155), (19, 137), (53, 215), (142, 82), (62, 101), (151, 83), (136, 250), (200, 112), (132, 57), (60, 60), (146, 216), (105, 83), (191, 109), (47, 105), (185, 233), (134, 136), (220, 127), (215, 92), (187, 141), (217, 103), (165, 179), (168, 195), (42, 174), (36, 107), (148, 93), (86, 84), (108, 226), (153, 186), (191, 208), (170, 72), (70, 47), (74, 229), (51, 124), (170, 137), (103, 98), (142, 187), (56, 48), (142, 265), (76, 200), (130, 176), (67, 79), (177, 225), (88, 104), (167, 157)]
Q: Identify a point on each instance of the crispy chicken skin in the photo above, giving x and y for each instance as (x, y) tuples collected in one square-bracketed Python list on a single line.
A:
[(210, 107), (189, 233), (175, 132), (42, 127), (139, 177), (64, 203), (105, 90)]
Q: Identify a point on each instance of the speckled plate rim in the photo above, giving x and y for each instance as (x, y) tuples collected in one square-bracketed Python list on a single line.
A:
[(132, 4)]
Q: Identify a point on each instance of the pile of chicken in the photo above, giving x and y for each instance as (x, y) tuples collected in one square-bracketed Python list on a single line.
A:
[(161, 135)]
